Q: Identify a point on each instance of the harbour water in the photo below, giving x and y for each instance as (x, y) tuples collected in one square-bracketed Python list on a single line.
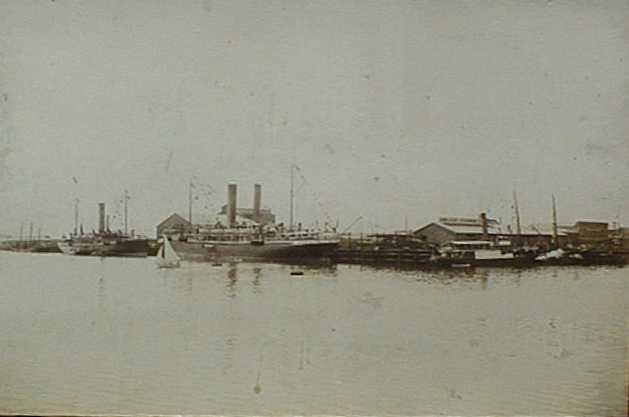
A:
[(83, 335)]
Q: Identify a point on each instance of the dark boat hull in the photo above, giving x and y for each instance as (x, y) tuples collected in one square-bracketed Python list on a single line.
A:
[(126, 248), (276, 251), (114, 247), (494, 263)]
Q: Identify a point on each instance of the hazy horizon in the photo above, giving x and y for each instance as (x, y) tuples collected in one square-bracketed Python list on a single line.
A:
[(394, 111)]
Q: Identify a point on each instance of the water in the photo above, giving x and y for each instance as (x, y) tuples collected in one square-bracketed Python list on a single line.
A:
[(90, 335)]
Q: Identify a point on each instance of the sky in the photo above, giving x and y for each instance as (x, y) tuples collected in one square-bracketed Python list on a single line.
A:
[(395, 112)]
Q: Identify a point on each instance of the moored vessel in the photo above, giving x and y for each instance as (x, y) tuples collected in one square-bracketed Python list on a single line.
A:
[(483, 253), (104, 242), (107, 244), (246, 245), (250, 237)]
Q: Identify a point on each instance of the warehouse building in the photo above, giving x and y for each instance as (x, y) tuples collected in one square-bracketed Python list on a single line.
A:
[(449, 229)]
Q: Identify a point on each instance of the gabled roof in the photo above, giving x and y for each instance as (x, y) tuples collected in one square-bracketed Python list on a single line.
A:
[(492, 229), (461, 229), (178, 218)]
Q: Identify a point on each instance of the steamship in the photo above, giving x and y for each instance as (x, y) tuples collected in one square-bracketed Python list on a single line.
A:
[(231, 244), (235, 237), (104, 242)]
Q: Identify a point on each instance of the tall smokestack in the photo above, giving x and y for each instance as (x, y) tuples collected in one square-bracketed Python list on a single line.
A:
[(231, 204), (101, 217), (483, 223), (257, 200)]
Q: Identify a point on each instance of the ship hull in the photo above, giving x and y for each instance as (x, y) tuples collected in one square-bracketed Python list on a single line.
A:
[(495, 263), (136, 248), (274, 250), (77, 249), (122, 248)]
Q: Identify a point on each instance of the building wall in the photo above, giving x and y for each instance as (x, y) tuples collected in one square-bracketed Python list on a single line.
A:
[(435, 234), (624, 239), (590, 232)]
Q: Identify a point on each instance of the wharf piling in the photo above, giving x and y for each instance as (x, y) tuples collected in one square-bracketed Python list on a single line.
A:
[(393, 249)]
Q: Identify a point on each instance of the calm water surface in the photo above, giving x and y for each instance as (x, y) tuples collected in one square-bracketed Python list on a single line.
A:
[(90, 335)]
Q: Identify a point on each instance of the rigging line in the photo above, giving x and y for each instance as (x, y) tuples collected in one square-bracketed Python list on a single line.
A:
[(312, 193)]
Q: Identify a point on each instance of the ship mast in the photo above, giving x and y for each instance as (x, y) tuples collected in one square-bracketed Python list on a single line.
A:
[(190, 202), (292, 197), (126, 212), (555, 227), (76, 217), (518, 227)]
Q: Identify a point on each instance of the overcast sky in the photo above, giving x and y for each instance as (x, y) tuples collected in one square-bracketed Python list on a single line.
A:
[(391, 109)]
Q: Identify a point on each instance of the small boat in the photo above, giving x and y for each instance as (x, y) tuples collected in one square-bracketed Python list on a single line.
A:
[(465, 254), (166, 255)]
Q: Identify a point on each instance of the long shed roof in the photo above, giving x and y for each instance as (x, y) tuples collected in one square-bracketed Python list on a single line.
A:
[(493, 229)]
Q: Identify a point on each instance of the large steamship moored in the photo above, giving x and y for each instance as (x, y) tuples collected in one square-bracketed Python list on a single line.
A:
[(250, 239), (234, 245)]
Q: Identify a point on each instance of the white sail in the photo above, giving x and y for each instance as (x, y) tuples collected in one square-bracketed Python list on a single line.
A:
[(166, 256), (168, 252)]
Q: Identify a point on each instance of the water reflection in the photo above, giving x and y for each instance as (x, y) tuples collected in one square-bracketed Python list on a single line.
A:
[(232, 279), (228, 356), (446, 277), (101, 293), (257, 274), (475, 341), (324, 269)]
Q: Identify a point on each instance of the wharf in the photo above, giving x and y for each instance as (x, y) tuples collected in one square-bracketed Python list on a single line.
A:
[(37, 246), (375, 256), (384, 249)]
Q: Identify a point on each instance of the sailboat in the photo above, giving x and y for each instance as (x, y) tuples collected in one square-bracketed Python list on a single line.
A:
[(166, 256)]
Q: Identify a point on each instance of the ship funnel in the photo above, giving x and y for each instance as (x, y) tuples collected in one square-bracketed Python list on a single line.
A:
[(257, 201), (101, 217), (231, 204), (483, 223)]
